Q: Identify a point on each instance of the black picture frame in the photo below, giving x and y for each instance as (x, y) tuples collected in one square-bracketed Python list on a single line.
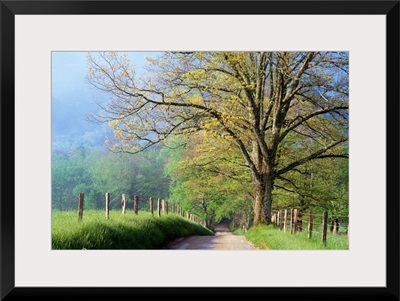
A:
[(9, 9)]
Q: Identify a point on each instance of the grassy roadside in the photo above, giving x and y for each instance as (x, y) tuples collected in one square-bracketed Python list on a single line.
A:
[(142, 231), (270, 237), (238, 231)]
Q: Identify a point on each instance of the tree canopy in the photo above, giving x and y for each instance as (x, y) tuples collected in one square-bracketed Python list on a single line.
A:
[(279, 110)]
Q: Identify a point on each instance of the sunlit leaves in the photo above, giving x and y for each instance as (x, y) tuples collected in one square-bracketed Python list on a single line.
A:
[(278, 110)]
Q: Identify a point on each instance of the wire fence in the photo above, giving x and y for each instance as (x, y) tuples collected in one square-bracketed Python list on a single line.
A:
[(157, 206), (325, 225)]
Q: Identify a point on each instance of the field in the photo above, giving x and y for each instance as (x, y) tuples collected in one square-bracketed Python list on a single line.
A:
[(142, 231), (270, 237)]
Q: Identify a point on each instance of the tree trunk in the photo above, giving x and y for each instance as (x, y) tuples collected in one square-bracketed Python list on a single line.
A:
[(263, 185), (268, 198), (263, 200), (259, 203)]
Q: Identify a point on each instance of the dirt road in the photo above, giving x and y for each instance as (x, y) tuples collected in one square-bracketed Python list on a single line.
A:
[(224, 239)]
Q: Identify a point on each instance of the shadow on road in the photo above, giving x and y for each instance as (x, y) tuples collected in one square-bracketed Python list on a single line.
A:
[(222, 226)]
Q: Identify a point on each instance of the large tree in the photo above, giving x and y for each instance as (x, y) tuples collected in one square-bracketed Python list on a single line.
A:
[(254, 100)]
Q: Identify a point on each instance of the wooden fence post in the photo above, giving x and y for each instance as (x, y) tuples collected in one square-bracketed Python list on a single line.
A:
[(151, 205), (80, 205), (159, 207), (280, 220), (136, 204), (348, 240), (123, 204), (291, 221), (285, 222), (324, 227), (295, 221), (310, 223), (336, 226), (107, 205)]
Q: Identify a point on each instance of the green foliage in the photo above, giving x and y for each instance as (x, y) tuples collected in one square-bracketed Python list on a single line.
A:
[(317, 185), (95, 172), (71, 175), (239, 231), (270, 237), (269, 112), (142, 231), (210, 186)]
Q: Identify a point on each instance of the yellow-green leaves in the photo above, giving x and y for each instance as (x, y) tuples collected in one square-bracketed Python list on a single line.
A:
[(278, 110)]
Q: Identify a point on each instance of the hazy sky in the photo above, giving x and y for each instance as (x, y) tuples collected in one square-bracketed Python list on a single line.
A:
[(73, 98)]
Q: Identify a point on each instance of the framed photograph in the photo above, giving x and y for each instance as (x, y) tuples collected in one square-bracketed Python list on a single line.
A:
[(41, 38)]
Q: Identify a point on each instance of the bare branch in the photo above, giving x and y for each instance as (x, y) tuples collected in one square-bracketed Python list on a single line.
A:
[(309, 158), (303, 119)]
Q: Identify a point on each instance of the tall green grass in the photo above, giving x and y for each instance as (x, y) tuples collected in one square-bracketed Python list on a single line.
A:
[(270, 237), (142, 231), (238, 231)]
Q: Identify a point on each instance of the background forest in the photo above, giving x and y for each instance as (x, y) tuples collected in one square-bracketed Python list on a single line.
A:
[(176, 175)]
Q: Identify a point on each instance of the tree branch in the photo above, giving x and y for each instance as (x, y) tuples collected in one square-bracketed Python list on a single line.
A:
[(309, 158), (303, 119)]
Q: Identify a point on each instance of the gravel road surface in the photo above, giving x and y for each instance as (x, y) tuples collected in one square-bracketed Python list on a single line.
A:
[(223, 239)]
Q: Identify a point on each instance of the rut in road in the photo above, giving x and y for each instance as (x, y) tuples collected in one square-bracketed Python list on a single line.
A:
[(223, 239)]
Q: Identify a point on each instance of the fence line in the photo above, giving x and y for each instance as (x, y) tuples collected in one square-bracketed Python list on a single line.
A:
[(162, 208), (286, 219), (298, 221)]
